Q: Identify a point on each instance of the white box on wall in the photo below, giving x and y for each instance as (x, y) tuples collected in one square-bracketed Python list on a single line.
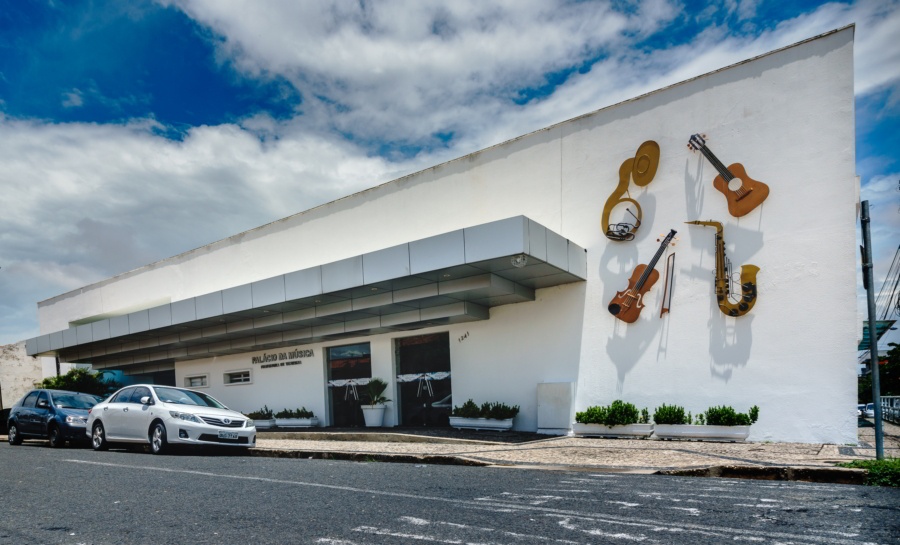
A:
[(554, 407)]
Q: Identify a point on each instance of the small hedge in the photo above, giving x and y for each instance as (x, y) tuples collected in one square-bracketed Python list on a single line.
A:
[(262, 414), (671, 414), (879, 472), (496, 410), (726, 416), (299, 413), (617, 413)]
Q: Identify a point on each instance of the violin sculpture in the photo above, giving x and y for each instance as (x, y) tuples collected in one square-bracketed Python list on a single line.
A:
[(641, 168), (627, 305), (742, 192)]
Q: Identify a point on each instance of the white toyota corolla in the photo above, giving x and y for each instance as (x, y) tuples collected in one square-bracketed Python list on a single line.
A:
[(164, 415)]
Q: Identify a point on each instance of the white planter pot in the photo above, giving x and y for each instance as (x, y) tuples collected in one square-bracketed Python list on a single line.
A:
[(481, 423), (264, 424), (297, 422), (701, 433), (374, 415), (632, 431)]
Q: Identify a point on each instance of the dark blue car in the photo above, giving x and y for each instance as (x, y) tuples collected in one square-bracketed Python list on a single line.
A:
[(56, 415)]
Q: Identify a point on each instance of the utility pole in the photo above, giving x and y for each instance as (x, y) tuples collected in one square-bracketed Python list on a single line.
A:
[(873, 333)]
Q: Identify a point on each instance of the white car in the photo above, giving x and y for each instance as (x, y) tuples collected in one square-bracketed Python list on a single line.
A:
[(164, 415)]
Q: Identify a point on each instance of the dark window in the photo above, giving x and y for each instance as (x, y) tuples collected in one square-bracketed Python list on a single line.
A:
[(45, 398), (123, 397), (139, 392), (30, 399), (75, 401), (352, 361)]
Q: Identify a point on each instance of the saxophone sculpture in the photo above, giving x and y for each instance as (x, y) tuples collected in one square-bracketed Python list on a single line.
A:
[(726, 299)]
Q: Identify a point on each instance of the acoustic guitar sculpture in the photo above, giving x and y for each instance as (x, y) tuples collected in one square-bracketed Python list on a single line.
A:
[(742, 192), (627, 305)]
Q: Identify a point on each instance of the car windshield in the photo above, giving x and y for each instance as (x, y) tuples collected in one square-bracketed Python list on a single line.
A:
[(186, 397), (75, 401)]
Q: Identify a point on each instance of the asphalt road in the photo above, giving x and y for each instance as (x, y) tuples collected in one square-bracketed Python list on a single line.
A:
[(76, 496)]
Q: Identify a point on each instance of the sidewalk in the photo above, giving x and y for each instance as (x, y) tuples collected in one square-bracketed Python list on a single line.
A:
[(778, 461)]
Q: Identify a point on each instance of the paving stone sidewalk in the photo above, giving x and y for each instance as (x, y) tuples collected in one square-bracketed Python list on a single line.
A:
[(764, 460)]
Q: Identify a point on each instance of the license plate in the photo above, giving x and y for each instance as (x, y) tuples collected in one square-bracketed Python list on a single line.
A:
[(228, 435)]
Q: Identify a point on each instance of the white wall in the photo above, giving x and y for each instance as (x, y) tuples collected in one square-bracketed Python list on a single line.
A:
[(787, 117), (18, 373), (793, 354)]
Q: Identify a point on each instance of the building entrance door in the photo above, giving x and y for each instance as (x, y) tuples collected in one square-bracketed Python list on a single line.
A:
[(349, 367), (423, 380)]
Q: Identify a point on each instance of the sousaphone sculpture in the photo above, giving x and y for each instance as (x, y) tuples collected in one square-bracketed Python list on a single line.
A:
[(641, 168)]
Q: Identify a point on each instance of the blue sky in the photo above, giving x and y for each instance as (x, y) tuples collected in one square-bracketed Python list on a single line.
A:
[(134, 131)]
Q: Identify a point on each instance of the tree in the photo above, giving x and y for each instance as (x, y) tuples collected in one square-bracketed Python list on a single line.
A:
[(81, 380), (888, 377)]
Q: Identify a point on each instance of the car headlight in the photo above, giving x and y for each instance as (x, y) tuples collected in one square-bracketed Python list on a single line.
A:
[(248, 423), (76, 420), (187, 417)]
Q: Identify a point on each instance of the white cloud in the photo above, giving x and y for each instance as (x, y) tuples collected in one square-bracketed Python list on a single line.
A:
[(73, 99), (91, 201), (95, 200)]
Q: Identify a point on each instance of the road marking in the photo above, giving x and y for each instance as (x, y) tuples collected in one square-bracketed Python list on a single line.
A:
[(497, 503)]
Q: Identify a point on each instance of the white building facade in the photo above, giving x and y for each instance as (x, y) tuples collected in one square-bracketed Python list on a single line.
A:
[(491, 277)]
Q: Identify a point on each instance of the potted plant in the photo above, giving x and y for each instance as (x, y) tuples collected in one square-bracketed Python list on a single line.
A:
[(716, 424), (488, 416), (299, 418), (374, 411), (263, 418), (618, 419)]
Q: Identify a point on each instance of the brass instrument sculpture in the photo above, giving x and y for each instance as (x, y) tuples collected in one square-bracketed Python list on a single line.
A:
[(641, 168), (724, 295)]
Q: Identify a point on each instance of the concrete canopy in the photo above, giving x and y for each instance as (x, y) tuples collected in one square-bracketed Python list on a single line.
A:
[(449, 278)]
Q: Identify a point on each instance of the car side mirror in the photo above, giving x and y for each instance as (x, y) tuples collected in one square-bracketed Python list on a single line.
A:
[(42, 404), (146, 400)]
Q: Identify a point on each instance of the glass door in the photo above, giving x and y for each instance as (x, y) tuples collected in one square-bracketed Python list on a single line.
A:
[(349, 370), (423, 380)]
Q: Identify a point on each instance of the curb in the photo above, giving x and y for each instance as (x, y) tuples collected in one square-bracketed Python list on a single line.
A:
[(831, 475), (367, 457)]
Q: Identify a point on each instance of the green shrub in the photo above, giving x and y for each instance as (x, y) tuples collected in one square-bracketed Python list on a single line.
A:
[(879, 472), (468, 410), (498, 410), (299, 413), (81, 380), (618, 413), (261, 414), (670, 414), (375, 391), (726, 416)]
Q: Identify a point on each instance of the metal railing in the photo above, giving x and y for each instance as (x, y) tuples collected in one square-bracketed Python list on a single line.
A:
[(890, 408)]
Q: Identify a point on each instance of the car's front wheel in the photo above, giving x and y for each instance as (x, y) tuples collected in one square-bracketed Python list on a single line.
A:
[(158, 443), (13, 434), (98, 437), (55, 436)]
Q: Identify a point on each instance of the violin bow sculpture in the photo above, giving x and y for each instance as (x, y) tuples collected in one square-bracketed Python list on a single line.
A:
[(641, 168), (727, 304), (627, 305), (742, 192)]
